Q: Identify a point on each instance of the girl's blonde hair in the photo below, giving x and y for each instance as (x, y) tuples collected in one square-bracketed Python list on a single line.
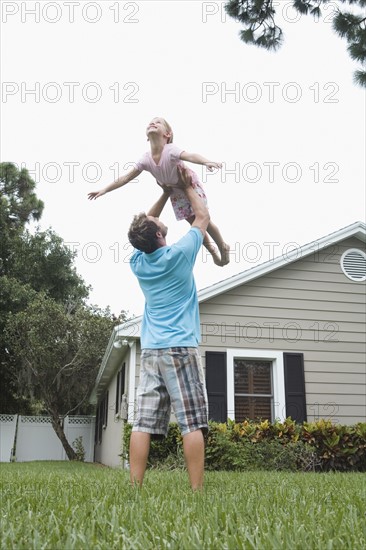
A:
[(169, 128)]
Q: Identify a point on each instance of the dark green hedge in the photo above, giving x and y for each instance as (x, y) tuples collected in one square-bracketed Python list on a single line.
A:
[(311, 446)]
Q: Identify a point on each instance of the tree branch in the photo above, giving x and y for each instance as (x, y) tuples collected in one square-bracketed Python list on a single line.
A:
[(65, 367), (78, 405)]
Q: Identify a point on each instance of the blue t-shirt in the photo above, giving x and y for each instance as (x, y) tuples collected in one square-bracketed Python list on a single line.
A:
[(171, 316)]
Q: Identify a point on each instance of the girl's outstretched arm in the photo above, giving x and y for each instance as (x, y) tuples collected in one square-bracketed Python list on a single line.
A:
[(132, 174), (199, 159)]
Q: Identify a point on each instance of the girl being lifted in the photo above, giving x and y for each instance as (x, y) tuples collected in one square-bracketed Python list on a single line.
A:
[(162, 161)]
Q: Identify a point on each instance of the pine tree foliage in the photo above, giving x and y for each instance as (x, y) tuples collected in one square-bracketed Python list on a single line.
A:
[(18, 199), (260, 28)]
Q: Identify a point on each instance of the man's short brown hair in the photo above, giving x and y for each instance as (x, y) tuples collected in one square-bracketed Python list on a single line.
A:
[(142, 233)]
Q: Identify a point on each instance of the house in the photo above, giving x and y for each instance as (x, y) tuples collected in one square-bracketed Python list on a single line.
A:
[(285, 338)]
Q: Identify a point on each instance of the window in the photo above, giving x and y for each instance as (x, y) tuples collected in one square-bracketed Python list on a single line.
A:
[(253, 389), (258, 389), (244, 383)]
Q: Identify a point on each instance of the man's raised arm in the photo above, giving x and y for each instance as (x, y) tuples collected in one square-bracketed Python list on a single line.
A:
[(202, 216), (158, 206)]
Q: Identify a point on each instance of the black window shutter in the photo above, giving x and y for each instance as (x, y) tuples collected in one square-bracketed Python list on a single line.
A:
[(122, 378), (118, 392), (295, 386), (216, 385), (105, 409), (97, 423)]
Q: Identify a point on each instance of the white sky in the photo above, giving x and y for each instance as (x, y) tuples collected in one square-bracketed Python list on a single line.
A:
[(132, 61)]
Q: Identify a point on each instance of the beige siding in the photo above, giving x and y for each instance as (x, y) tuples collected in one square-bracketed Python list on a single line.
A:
[(308, 306), (336, 368)]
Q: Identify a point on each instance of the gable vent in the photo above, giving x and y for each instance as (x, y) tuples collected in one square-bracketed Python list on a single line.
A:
[(353, 264)]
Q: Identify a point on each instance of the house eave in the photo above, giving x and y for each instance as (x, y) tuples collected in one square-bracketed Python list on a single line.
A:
[(112, 358), (357, 229)]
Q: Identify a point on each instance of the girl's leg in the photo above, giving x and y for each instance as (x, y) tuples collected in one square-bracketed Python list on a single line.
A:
[(224, 248), (220, 252), (209, 245)]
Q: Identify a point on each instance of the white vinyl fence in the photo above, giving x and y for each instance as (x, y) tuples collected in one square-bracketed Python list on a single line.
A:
[(35, 439), (8, 426), (81, 426)]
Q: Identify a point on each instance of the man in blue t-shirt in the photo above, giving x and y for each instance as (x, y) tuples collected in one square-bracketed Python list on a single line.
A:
[(171, 371)]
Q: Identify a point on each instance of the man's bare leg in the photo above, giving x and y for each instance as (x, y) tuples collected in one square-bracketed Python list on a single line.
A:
[(194, 454), (139, 452)]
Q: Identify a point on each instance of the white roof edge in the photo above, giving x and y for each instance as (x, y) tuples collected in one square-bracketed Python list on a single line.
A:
[(357, 229), (129, 329), (93, 395)]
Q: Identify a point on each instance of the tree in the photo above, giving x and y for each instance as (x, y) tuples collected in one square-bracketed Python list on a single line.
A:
[(257, 17), (29, 263), (18, 205), (43, 261), (14, 296), (51, 342), (35, 263), (17, 193), (58, 353)]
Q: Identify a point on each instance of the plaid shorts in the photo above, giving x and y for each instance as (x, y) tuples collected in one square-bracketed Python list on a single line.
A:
[(171, 377)]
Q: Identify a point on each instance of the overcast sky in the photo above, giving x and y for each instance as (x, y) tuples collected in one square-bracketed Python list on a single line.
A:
[(81, 80)]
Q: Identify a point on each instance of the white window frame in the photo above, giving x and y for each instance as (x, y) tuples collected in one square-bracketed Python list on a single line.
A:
[(278, 378), (131, 383)]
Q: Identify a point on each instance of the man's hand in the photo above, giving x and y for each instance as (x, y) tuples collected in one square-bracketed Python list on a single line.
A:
[(184, 179), (166, 188)]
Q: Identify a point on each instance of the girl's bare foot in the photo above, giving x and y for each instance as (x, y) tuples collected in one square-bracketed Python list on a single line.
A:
[(225, 254), (215, 256), (224, 259), (219, 259)]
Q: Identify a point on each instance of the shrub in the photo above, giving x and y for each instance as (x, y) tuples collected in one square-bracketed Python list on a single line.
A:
[(164, 453), (222, 452), (338, 447), (245, 447), (126, 435), (286, 446), (79, 448)]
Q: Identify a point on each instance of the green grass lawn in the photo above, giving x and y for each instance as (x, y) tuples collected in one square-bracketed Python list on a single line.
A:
[(63, 505)]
